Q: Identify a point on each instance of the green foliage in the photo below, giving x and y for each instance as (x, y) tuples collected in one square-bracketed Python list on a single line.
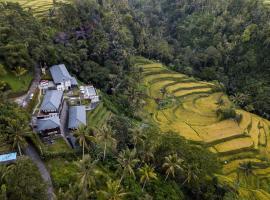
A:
[(62, 171), (23, 181), (226, 113), (163, 190)]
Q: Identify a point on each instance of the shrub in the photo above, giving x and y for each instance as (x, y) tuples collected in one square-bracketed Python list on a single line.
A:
[(226, 113)]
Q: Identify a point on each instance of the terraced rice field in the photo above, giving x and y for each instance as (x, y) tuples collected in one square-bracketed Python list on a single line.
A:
[(39, 7), (99, 116), (193, 114)]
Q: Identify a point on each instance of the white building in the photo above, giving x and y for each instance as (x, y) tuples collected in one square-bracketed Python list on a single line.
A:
[(62, 78)]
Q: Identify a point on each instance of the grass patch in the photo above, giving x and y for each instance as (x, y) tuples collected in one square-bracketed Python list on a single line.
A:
[(59, 145), (62, 172), (17, 84)]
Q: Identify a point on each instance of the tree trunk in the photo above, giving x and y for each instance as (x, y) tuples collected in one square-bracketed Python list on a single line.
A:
[(122, 178), (167, 176), (143, 185), (104, 152), (83, 150), (20, 151)]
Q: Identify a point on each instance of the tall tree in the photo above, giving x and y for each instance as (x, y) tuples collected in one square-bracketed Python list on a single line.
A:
[(245, 168), (147, 174), (17, 133), (19, 71), (137, 136), (82, 134), (113, 191), (127, 161), (87, 171), (105, 137), (172, 164)]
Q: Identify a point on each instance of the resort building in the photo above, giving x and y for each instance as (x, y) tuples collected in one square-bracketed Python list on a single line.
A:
[(52, 102), (48, 126), (77, 117), (61, 77)]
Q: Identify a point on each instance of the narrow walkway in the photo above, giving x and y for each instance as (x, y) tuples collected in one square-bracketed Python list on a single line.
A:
[(38, 103), (32, 153)]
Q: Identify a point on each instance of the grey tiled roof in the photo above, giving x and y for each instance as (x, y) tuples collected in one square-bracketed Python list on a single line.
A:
[(77, 116), (90, 90), (48, 123), (60, 74), (52, 100)]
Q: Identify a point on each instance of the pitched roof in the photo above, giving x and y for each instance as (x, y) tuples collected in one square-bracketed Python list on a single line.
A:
[(60, 74), (48, 123), (52, 100), (77, 116)]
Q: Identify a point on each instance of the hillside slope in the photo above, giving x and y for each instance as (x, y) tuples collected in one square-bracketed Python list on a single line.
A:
[(38, 7), (189, 107)]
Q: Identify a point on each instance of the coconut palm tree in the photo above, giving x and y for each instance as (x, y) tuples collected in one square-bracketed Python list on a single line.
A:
[(16, 135), (192, 172), (127, 162), (83, 136), (245, 168), (105, 137), (172, 164), (146, 153), (113, 191), (87, 170), (19, 71), (137, 136), (147, 174)]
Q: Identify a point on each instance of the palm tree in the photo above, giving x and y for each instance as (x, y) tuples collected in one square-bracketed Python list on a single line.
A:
[(137, 136), (245, 168), (16, 135), (146, 153), (105, 136), (147, 174), (83, 136), (114, 191), (127, 162), (192, 172), (87, 170), (171, 164), (19, 71)]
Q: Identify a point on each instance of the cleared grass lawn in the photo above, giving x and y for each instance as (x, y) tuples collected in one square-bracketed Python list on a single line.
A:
[(18, 84), (59, 145), (237, 144)]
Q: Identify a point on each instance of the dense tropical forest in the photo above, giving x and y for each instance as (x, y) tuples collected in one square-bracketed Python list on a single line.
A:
[(100, 41)]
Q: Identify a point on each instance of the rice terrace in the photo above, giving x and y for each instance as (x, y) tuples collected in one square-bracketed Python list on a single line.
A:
[(191, 108), (39, 7)]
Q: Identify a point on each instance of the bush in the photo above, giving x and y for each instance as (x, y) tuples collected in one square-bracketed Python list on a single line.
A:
[(226, 113)]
